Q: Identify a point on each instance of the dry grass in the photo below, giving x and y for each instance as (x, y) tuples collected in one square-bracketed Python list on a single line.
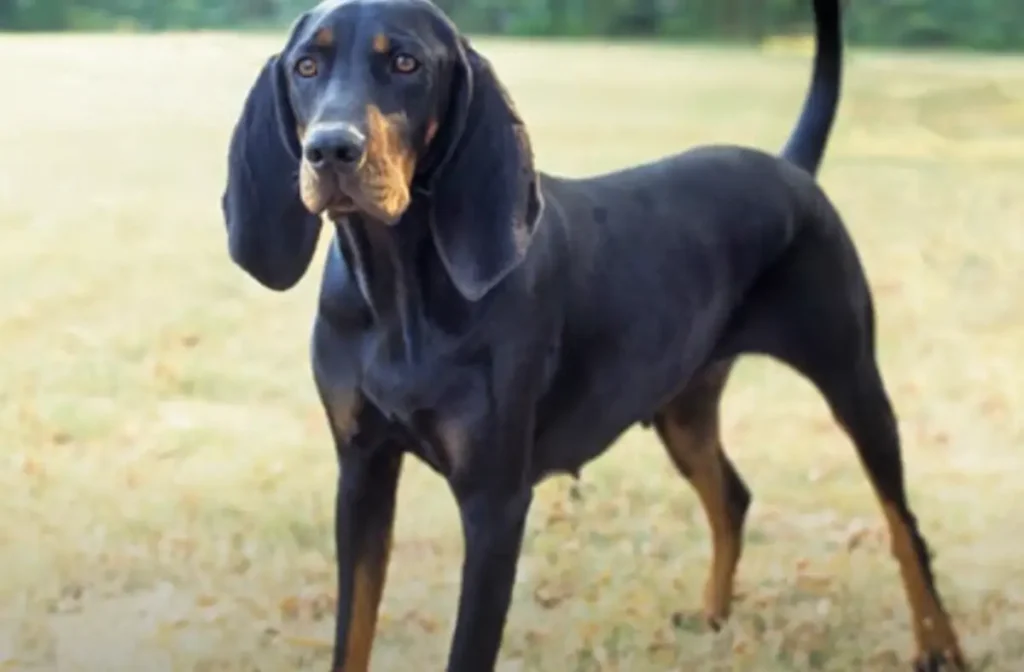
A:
[(167, 475)]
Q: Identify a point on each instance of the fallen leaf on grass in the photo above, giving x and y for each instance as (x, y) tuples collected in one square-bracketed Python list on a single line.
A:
[(309, 642), (166, 628), (550, 594), (427, 623), (884, 660), (661, 640), (856, 533), (816, 584), (206, 600), (289, 607)]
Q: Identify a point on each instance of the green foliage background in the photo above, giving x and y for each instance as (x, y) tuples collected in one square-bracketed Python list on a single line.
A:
[(979, 24)]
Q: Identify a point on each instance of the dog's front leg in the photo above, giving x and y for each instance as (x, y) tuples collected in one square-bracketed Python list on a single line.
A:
[(493, 490), (364, 518), (493, 521)]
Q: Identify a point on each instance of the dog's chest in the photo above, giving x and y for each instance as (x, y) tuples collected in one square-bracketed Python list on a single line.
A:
[(433, 402), (400, 386), (428, 399)]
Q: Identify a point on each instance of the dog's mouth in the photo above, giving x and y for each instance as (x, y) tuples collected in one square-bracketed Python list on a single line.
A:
[(370, 192)]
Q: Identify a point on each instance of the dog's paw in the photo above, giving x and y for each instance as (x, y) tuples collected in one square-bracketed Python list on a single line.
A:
[(717, 604), (716, 623), (934, 661)]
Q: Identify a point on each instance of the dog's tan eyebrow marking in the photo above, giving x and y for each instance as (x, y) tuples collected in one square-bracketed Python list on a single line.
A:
[(381, 43), (324, 37)]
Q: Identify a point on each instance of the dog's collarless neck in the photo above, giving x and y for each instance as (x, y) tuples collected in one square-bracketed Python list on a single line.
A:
[(401, 279)]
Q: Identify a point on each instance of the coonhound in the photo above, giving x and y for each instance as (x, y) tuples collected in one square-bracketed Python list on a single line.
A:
[(502, 324)]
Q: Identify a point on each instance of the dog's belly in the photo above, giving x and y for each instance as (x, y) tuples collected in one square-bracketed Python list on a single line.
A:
[(591, 404), (571, 440)]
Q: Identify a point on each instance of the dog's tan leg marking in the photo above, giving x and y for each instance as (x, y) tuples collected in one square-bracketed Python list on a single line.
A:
[(342, 410), (698, 457), (861, 407), (371, 563), (368, 588), (933, 631), (689, 428)]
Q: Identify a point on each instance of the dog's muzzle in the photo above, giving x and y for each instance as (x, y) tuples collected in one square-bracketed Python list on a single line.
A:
[(334, 148)]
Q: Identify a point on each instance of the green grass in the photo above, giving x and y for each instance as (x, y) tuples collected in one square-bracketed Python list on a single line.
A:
[(167, 474)]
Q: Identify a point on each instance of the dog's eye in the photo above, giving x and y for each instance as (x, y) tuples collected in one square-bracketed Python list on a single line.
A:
[(404, 64), (306, 67)]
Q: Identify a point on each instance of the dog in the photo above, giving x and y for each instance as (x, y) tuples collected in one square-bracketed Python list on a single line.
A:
[(502, 324)]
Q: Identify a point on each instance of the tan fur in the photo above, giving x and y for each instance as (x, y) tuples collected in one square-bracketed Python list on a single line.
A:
[(381, 43), (369, 586), (324, 38), (697, 452), (309, 184), (390, 162), (933, 630), (313, 196), (342, 410), (384, 177)]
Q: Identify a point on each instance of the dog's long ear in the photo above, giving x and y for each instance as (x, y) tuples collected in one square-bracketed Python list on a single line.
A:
[(486, 196), (270, 233)]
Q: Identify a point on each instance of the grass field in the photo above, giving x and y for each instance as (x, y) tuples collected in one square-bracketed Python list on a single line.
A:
[(167, 476)]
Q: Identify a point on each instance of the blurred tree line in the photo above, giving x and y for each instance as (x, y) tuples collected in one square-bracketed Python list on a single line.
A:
[(981, 24)]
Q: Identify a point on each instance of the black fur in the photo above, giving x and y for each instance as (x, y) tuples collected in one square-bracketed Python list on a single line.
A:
[(486, 200)]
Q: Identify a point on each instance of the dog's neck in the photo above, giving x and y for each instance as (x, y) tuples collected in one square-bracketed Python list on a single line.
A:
[(401, 279)]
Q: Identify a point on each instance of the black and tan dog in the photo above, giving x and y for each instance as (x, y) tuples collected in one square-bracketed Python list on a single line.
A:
[(503, 324)]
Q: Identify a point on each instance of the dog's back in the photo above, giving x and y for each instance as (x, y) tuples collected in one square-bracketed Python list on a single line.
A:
[(704, 222), (697, 229)]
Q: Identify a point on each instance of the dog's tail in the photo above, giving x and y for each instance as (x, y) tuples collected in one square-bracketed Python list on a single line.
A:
[(806, 144)]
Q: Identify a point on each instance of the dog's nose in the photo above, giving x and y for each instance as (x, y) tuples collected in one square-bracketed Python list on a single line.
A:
[(338, 146)]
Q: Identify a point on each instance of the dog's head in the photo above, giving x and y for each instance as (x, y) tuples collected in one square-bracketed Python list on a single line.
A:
[(374, 99)]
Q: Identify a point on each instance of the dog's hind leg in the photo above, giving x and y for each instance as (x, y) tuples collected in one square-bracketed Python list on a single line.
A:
[(861, 406), (813, 312), (688, 426)]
